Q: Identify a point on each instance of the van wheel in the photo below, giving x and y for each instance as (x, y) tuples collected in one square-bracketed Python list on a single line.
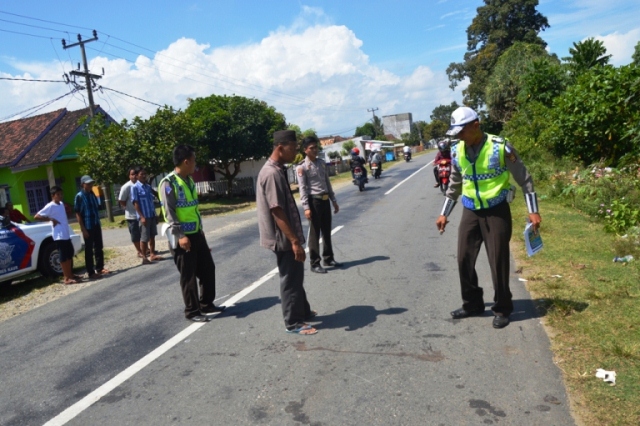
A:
[(50, 261)]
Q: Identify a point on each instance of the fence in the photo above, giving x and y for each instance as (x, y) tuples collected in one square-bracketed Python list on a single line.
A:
[(241, 186)]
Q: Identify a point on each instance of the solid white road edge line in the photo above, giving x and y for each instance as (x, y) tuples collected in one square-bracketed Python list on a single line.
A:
[(95, 396), (412, 175)]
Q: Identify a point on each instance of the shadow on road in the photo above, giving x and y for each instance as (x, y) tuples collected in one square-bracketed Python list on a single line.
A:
[(365, 261), (354, 317), (525, 309), (244, 309)]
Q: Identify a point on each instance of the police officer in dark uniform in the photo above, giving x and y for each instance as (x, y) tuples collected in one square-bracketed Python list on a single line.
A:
[(482, 166), (315, 194)]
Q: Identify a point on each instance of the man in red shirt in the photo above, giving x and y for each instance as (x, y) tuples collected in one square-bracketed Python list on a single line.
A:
[(16, 215)]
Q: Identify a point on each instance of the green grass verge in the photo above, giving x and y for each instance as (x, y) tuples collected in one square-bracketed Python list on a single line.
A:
[(593, 310)]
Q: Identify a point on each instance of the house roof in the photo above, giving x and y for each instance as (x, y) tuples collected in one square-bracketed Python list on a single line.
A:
[(18, 136), (33, 141)]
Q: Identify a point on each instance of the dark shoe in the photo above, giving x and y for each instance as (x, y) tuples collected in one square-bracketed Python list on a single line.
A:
[(436, 185), (199, 318), (311, 315), (333, 263), (212, 311), (461, 313), (318, 269), (500, 321)]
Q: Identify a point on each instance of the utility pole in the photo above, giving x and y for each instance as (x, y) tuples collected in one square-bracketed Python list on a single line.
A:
[(88, 78)]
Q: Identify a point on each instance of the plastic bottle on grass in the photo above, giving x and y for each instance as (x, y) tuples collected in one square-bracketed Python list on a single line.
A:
[(626, 259)]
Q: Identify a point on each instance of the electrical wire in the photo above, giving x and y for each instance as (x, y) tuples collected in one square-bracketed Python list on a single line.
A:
[(28, 79), (131, 96), (37, 107)]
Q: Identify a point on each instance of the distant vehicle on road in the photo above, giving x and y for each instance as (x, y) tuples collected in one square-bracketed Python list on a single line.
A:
[(28, 248)]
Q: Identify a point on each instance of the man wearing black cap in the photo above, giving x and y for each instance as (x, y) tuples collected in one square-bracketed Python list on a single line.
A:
[(281, 231), (315, 193), (482, 166), (86, 207)]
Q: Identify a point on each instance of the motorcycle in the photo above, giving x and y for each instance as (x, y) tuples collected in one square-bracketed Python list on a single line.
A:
[(444, 171), (358, 177), (407, 156), (375, 170)]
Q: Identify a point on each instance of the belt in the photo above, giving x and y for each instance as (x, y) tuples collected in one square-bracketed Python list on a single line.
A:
[(323, 197)]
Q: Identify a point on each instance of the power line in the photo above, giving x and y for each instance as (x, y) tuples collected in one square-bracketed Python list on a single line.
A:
[(28, 79), (225, 79), (37, 107), (131, 96)]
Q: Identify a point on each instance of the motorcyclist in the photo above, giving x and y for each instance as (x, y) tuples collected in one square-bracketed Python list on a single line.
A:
[(444, 153), (376, 158), (356, 160), (407, 151)]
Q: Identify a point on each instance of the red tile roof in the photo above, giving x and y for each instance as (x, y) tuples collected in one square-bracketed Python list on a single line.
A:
[(17, 137), (37, 140), (48, 148)]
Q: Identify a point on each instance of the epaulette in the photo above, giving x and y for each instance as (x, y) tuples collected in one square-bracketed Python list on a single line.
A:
[(498, 139)]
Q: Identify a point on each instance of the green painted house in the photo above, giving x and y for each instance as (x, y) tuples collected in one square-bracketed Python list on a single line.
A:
[(39, 152)]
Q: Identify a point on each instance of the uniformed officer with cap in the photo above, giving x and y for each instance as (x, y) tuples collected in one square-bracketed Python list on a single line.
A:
[(482, 166), (315, 193)]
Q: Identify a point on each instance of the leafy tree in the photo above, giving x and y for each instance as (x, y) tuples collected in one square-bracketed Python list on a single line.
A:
[(347, 147), (443, 112), (112, 148), (544, 79), (377, 127), (498, 24), (437, 129), (585, 55), (636, 55), (595, 118), (506, 80), (235, 129), (366, 129)]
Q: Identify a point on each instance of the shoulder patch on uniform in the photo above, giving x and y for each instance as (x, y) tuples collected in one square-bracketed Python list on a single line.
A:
[(167, 189)]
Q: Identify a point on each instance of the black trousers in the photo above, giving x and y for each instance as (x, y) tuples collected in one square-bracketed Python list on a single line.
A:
[(197, 272), (436, 174), (492, 227), (320, 223), (295, 307), (93, 247)]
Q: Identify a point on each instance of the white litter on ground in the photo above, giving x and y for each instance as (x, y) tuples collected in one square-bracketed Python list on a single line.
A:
[(607, 376)]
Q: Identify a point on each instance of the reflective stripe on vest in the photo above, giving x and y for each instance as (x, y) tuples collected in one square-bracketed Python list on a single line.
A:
[(485, 182), (186, 203)]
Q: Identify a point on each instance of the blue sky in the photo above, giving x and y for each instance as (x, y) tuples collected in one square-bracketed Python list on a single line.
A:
[(321, 63)]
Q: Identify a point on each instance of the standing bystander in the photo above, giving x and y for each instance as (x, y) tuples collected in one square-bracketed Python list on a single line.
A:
[(15, 215), (86, 207), (315, 193), (130, 215), (281, 231), (55, 213), (142, 196), (191, 254)]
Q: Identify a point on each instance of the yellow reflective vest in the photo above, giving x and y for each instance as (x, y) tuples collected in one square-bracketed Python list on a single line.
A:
[(186, 203), (485, 182)]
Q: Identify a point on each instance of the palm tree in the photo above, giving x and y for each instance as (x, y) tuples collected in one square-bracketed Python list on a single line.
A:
[(586, 54)]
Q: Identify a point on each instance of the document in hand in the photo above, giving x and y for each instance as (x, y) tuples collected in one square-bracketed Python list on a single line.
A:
[(165, 230), (532, 240)]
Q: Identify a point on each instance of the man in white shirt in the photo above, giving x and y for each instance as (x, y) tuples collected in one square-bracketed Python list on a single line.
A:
[(126, 201), (55, 213)]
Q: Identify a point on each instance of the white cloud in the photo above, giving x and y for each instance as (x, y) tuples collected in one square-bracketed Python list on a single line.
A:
[(317, 74), (620, 45)]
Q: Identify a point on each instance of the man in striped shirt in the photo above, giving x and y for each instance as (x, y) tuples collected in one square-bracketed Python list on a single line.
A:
[(86, 207), (142, 196)]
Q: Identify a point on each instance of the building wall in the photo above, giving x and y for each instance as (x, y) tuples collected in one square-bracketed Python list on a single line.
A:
[(397, 124)]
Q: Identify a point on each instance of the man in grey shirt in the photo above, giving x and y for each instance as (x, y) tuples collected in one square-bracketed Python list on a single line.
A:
[(281, 232), (125, 201), (315, 193)]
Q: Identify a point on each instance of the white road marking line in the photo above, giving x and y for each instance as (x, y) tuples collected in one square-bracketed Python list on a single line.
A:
[(77, 408), (412, 175)]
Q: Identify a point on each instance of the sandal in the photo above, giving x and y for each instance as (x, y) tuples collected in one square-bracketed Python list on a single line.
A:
[(305, 330), (155, 257), (71, 281), (146, 261), (104, 272)]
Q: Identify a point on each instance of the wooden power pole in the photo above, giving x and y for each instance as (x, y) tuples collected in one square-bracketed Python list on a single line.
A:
[(88, 78)]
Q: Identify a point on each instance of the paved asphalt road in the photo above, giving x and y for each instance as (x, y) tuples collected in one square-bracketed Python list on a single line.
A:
[(387, 351)]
